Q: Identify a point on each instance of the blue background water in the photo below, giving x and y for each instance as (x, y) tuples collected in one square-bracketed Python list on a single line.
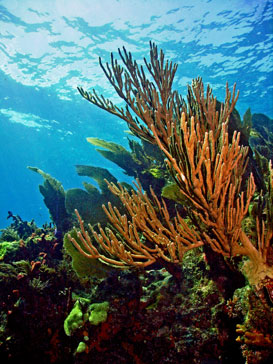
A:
[(47, 48)]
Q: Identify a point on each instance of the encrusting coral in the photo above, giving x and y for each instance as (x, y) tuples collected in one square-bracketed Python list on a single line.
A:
[(205, 162)]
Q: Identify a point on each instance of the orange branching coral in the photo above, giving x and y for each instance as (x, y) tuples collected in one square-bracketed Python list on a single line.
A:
[(209, 172), (259, 269), (253, 338), (147, 237), (205, 164), (148, 100)]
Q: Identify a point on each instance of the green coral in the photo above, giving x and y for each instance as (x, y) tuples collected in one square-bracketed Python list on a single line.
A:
[(87, 203), (247, 123), (18, 229), (261, 135), (82, 312), (61, 204), (54, 199), (75, 319), (81, 347), (98, 174), (83, 266), (116, 154), (9, 250), (145, 161), (172, 192), (98, 312)]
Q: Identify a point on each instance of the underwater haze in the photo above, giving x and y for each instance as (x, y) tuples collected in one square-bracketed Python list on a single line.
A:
[(48, 48)]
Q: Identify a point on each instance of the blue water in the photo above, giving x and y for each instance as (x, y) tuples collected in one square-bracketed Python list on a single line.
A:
[(48, 48)]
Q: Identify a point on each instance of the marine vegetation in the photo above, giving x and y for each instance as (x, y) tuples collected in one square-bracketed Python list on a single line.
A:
[(18, 228), (143, 161), (178, 267), (208, 163)]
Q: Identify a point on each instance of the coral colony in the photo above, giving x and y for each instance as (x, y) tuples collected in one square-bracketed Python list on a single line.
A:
[(178, 267)]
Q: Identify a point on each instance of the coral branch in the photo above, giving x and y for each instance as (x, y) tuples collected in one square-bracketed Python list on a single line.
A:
[(142, 240), (207, 167)]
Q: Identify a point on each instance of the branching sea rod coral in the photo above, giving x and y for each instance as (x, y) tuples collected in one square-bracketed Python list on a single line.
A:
[(206, 163), (162, 238)]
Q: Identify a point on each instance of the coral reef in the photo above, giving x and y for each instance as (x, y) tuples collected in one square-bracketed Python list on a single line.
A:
[(208, 164), (177, 268), (205, 165)]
